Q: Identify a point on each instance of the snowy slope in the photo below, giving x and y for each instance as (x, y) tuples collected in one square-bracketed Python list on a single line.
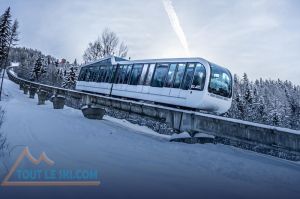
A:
[(135, 162)]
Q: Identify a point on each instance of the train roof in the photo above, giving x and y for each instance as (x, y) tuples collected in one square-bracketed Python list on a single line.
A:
[(117, 60)]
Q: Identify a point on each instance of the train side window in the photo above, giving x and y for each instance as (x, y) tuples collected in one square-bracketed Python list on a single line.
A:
[(104, 73), (82, 74), (136, 74), (107, 73), (118, 74), (110, 74), (95, 73), (143, 75), (113, 74), (188, 78), (199, 77), (170, 75), (88, 74), (101, 73), (161, 70), (90, 77), (149, 74), (128, 73), (123, 74), (179, 75)]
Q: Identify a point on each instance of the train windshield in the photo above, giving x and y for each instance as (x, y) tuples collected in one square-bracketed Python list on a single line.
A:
[(220, 81)]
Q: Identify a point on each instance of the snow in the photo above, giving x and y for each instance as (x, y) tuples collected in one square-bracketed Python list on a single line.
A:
[(203, 135), (180, 135), (134, 161), (15, 64)]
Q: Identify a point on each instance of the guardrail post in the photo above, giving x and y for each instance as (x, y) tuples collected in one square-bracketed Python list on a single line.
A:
[(25, 89), (91, 111), (42, 96), (88, 100), (58, 100), (21, 86), (32, 91)]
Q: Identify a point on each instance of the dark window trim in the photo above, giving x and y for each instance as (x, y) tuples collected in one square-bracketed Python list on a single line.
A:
[(185, 73), (205, 74)]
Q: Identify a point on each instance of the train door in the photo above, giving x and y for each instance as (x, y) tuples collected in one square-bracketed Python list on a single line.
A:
[(169, 81), (142, 78), (116, 82), (127, 77), (158, 80), (146, 86), (134, 79), (187, 81), (175, 90)]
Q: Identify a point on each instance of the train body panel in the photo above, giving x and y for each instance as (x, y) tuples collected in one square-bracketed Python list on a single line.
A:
[(186, 82)]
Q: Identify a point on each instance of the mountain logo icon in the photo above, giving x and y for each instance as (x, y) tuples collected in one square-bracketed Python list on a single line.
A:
[(42, 158)]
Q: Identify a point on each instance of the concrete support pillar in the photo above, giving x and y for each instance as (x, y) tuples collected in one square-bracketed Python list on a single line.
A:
[(21, 86), (58, 101), (32, 91), (25, 89), (93, 112), (42, 96)]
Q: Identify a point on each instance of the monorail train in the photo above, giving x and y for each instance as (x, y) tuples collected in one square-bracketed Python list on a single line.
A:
[(192, 83)]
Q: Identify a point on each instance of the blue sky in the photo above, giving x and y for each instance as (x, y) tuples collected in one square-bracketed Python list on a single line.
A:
[(260, 37)]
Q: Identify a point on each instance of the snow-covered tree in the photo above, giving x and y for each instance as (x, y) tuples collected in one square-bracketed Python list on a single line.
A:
[(38, 69), (5, 33), (70, 79), (266, 101), (8, 38)]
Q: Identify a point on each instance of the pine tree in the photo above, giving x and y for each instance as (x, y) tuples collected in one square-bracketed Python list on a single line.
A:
[(75, 63), (38, 69), (70, 79), (5, 33), (8, 38)]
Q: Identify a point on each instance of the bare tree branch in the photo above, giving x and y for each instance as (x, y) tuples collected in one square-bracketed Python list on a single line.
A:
[(106, 45)]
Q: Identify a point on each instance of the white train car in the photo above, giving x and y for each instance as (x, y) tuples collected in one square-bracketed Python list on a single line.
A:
[(192, 83)]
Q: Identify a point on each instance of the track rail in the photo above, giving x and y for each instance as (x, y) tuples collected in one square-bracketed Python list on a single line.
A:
[(234, 131)]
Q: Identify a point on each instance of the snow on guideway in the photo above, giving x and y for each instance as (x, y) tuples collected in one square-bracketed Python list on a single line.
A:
[(133, 161)]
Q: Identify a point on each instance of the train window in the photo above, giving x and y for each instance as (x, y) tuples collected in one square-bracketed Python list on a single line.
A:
[(161, 70), (123, 74), (220, 81), (143, 75), (118, 74), (179, 75), (108, 73), (113, 74), (149, 74), (136, 74), (170, 75), (188, 78), (95, 73), (199, 77), (82, 74), (101, 74), (128, 73), (88, 74)]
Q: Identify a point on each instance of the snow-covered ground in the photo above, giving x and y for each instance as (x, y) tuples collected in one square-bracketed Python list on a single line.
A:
[(133, 161)]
